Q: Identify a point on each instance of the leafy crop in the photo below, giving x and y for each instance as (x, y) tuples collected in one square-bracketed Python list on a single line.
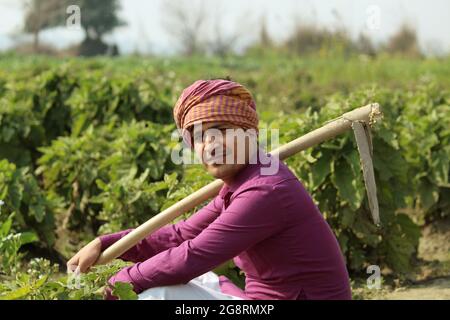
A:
[(85, 150)]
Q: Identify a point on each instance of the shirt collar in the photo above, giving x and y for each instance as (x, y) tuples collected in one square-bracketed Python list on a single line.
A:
[(242, 176)]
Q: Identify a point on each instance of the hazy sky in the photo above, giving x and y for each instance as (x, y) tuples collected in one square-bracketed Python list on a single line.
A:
[(145, 21)]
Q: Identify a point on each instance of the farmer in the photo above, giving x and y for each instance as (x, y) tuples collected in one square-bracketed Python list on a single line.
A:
[(267, 223)]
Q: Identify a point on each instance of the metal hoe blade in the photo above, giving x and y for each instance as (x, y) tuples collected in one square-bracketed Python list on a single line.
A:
[(365, 149)]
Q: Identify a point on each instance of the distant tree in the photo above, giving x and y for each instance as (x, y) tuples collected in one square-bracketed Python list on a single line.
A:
[(40, 15), (221, 42), (404, 42), (306, 38), (264, 38), (365, 46), (184, 22), (98, 18), (263, 42)]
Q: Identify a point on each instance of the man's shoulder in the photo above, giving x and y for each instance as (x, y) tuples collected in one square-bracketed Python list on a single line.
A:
[(282, 176)]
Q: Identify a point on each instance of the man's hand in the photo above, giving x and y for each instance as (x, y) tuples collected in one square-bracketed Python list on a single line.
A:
[(86, 257)]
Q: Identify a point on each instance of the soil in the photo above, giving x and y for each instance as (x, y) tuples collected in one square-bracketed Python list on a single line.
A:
[(431, 279)]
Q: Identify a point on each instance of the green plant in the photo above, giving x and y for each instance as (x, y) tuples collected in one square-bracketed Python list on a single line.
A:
[(85, 149), (31, 207)]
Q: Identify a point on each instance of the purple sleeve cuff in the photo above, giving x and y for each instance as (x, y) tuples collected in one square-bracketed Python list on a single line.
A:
[(108, 239)]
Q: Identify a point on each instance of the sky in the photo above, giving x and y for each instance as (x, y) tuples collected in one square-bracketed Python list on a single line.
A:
[(145, 31)]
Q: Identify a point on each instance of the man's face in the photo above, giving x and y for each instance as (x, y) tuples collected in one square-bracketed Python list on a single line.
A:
[(222, 148)]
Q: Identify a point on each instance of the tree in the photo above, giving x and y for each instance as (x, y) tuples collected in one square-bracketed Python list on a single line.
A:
[(365, 45), (40, 15), (97, 19), (264, 43), (264, 37), (404, 42), (185, 22), (221, 43)]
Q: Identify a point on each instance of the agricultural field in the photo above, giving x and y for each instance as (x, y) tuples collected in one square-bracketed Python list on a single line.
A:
[(85, 149)]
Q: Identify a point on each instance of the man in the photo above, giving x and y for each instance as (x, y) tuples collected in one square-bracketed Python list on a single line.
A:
[(267, 223)]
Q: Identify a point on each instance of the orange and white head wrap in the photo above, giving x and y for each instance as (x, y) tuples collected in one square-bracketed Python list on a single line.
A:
[(214, 101)]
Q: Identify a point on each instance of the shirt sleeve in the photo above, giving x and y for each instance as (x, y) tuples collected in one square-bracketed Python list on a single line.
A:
[(250, 218), (168, 236)]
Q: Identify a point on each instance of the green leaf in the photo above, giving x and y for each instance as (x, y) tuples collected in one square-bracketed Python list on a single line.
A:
[(5, 227), (124, 291), (16, 294), (40, 282), (79, 124), (347, 217), (440, 167), (408, 228), (365, 231), (28, 237), (320, 170), (389, 136), (398, 252), (38, 211), (103, 186), (136, 197), (428, 194), (354, 161), (357, 258), (140, 149), (350, 189), (343, 242)]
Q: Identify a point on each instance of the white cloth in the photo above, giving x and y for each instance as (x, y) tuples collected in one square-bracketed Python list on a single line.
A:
[(204, 287)]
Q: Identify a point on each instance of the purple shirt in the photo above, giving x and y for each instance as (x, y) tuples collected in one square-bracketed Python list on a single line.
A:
[(268, 224)]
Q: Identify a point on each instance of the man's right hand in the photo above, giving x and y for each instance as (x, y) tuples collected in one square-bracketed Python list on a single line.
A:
[(86, 257)]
